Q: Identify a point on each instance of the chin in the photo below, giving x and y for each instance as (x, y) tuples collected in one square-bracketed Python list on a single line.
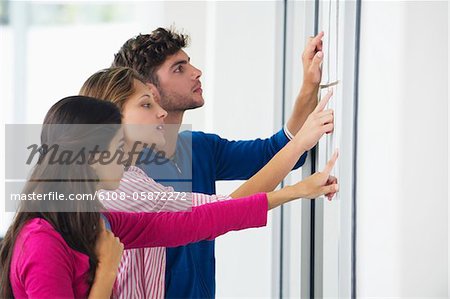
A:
[(197, 100), (200, 102), (196, 104)]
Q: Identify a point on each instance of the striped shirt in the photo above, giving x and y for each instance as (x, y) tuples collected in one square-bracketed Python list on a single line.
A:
[(142, 271)]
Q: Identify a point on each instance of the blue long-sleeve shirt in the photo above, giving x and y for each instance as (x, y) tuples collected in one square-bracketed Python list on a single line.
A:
[(200, 160)]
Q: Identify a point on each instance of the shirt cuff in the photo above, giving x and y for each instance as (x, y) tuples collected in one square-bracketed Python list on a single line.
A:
[(288, 134)]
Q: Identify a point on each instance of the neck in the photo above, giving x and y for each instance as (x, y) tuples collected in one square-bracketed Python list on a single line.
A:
[(132, 152), (173, 120)]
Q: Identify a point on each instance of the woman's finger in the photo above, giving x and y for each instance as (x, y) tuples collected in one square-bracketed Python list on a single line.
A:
[(330, 189), (102, 225), (326, 119), (325, 112), (329, 167), (323, 103)]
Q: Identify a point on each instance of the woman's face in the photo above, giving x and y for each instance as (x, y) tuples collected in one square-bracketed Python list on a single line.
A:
[(143, 117)]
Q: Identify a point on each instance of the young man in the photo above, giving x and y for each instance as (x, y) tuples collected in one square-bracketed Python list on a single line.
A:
[(159, 57)]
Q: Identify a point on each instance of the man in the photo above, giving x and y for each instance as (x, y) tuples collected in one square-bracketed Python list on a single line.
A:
[(159, 57)]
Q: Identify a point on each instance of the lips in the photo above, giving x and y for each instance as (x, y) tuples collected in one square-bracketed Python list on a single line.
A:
[(198, 88)]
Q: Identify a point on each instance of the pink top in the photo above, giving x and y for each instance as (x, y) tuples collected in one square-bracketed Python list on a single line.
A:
[(44, 266)]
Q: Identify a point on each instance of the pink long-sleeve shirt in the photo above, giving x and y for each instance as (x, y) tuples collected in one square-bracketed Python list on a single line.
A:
[(44, 266)]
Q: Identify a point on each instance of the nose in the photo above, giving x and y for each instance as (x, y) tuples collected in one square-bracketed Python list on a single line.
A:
[(161, 112), (196, 73)]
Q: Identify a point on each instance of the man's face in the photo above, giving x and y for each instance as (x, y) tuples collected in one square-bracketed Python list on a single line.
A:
[(179, 83)]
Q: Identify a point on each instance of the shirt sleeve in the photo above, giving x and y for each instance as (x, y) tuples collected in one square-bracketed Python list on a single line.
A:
[(206, 222), (199, 199), (240, 160), (138, 186), (44, 267), (141, 193), (288, 133)]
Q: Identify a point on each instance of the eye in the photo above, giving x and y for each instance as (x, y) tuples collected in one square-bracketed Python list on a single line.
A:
[(179, 69), (147, 105)]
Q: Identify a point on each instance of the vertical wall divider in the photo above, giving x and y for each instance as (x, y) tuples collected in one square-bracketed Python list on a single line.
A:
[(355, 147), (314, 162), (283, 121), (279, 110)]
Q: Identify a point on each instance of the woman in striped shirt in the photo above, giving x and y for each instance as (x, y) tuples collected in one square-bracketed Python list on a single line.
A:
[(142, 271)]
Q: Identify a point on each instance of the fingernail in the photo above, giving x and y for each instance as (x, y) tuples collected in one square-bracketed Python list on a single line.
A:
[(319, 54)]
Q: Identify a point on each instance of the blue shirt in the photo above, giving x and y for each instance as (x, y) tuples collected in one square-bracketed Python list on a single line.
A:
[(200, 160)]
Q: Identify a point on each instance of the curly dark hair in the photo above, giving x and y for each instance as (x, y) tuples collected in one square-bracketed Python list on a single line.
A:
[(145, 53)]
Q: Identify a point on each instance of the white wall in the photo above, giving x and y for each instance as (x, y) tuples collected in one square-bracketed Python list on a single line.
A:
[(402, 245), (244, 97)]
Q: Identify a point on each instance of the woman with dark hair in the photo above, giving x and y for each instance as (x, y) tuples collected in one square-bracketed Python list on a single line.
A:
[(49, 252), (94, 250)]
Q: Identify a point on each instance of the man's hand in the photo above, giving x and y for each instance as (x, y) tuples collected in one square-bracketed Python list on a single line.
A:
[(312, 60), (312, 72)]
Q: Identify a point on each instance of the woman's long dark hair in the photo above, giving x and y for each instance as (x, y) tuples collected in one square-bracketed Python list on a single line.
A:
[(79, 229)]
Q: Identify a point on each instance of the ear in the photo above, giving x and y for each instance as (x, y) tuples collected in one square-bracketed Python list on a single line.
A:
[(150, 85)]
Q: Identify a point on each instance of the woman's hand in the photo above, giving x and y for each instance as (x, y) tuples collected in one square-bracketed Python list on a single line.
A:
[(108, 249), (320, 183), (318, 123)]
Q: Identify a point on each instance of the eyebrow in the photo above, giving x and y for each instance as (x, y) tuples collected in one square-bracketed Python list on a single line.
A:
[(181, 61), (144, 97)]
